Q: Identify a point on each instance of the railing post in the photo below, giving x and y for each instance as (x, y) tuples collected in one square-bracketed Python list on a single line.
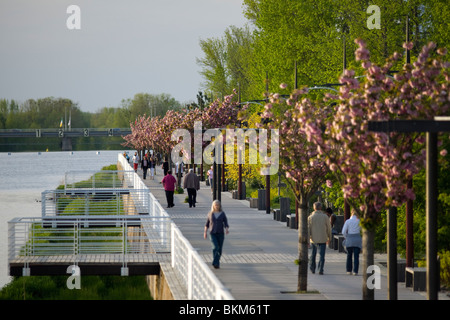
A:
[(124, 269), (43, 200), (118, 198), (172, 246), (76, 239), (190, 276)]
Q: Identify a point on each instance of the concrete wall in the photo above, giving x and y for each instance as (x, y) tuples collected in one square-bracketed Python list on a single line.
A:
[(159, 287)]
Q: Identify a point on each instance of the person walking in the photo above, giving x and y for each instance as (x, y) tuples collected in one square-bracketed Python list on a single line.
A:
[(319, 230), (144, 166), (332, 217), (217, 223), (135, 161), (165, 166), (152, 167), (169, 182), (192, 184), (353, 242), (179, 172)]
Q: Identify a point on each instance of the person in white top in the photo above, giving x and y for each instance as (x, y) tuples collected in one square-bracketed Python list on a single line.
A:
[(210, 178), (353, 242)]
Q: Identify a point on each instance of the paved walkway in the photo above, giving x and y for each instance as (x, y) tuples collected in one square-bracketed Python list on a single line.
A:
[(259, 253)]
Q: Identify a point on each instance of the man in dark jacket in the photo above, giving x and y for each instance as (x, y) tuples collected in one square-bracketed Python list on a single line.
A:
[(165, 166), (192, 184)]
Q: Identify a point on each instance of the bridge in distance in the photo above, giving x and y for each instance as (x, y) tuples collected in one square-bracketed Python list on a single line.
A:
[(62, 133), (66, 135)]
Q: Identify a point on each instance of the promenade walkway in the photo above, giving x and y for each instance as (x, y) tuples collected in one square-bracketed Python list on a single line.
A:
[(259, 253)]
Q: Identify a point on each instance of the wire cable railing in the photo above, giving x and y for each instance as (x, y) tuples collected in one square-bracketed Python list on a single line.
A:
[(118, 220), (201, 283), (74, 238)]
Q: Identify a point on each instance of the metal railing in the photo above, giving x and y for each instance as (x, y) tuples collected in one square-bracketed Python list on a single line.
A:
[(112, 179), (131, 179), (95, 202), (77, 222), (77, 236), (200, 281)]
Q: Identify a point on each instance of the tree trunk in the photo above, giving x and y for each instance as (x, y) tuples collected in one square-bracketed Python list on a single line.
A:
[(368, 237), (303, 246)]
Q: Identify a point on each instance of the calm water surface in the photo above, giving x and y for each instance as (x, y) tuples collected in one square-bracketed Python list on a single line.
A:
[(23, 176)]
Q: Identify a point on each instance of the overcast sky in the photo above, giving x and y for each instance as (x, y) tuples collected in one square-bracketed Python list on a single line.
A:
[(123, 47)]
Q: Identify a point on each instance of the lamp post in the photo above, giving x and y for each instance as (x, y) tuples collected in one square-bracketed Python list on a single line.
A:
[(431, 128)]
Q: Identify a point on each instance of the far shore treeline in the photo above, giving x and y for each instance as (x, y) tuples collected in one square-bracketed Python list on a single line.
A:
[(51, 112)]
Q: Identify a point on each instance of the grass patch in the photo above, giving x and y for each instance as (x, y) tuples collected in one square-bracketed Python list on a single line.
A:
[(92, 288)]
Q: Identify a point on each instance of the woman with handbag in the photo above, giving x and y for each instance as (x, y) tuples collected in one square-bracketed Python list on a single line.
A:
[(217, 223)]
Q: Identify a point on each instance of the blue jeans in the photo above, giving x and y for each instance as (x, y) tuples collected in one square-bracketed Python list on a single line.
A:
[(217, 244), (353, 251), (312, 260)]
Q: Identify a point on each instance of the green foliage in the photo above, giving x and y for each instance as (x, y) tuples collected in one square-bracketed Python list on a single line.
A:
[(226, 61), (92, 288), (145, 104), (47, 113), (313, 33)]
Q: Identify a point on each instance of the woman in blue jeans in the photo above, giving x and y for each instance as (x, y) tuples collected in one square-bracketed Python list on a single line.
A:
[(217, 223), (353, 242)]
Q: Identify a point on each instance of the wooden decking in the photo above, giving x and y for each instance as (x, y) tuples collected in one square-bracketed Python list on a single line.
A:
[(90, 264)]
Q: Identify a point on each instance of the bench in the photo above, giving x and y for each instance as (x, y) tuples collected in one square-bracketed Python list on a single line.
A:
[(253, 202), (280, 215), (415, 278), (338, 240), (276, 214), (291, 221)]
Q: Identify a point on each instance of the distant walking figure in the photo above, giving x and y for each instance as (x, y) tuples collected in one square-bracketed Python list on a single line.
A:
[(144, 166), (192, 184), (353, 242), (165, 166), (217, 223), (152, 167), (135, 161), (210, 178), (169, 183), (319, 230)]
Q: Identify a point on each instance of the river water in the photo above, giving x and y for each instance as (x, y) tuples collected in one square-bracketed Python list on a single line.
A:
[(24, 175)]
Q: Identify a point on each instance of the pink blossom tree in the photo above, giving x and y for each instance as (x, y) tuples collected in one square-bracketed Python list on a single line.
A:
[(299, 161), (137, 139), (156, 132)]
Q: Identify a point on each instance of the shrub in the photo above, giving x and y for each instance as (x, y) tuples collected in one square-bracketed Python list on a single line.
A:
[(445, 268)]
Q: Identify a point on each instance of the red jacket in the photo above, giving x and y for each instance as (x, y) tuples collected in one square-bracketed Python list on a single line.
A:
[(169, 182)]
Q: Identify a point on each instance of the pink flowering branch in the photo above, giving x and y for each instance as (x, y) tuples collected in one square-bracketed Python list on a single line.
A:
[(373, 168)]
